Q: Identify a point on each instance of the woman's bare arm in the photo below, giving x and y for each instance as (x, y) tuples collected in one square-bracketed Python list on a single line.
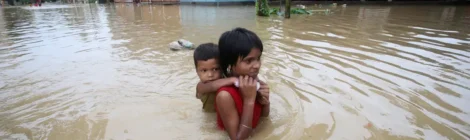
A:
[(238, 128)]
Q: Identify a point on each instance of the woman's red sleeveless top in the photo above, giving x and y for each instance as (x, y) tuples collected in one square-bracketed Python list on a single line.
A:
[(238, 99)]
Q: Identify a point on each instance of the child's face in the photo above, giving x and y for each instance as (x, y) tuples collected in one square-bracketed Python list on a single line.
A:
[(249, 65), (208, 70)]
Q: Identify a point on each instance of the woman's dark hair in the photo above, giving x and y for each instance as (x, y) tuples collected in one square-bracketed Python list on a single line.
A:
[(235, 44), (205, 52)]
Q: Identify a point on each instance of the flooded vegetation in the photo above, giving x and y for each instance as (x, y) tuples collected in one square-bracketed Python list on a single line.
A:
[(357, 72)]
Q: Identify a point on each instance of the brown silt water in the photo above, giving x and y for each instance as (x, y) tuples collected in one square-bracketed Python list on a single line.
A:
[(357, 72)]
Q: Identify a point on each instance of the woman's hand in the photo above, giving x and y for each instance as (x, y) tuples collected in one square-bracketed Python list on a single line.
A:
[(263, 99), (247, 88)]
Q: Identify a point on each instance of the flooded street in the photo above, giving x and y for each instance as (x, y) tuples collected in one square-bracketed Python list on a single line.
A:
[(361, 72)]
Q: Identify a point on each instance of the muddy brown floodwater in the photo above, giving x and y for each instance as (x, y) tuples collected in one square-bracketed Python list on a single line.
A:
[(361, 72)]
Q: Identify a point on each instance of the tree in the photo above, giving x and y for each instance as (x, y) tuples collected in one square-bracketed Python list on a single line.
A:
[(287, 11), (262, 8)]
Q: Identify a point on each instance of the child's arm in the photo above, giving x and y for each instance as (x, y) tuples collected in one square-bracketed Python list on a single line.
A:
[(213, 86)]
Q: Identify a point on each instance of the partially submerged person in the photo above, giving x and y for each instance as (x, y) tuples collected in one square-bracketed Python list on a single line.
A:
[(206, 60), (239, 109)]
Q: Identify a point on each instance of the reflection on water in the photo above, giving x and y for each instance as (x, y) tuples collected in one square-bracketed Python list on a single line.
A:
[(105, 72)]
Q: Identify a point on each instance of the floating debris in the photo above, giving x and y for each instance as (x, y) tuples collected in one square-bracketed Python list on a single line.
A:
[(301, 6), (181, 44)]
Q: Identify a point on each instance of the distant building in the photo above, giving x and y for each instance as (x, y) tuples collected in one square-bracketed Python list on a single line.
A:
[(185, 1), (147, 1), (215, 1), (302, 1)]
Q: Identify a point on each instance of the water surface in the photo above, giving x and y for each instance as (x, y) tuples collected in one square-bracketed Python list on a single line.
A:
[(360, 72)]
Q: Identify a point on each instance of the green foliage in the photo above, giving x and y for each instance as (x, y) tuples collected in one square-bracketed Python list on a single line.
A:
[(264, 9), (274, 11), (300, 11)]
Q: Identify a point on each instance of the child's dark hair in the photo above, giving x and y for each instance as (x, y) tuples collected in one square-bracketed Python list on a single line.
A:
[(234, 44), (205, 52)]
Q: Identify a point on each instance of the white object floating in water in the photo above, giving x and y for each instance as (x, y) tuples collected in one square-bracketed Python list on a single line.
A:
[(181, 44), (186, 44), (257, 85), (301, 6), (344, 5), (175, 45)]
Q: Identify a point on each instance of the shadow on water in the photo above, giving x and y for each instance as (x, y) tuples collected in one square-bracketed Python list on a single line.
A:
[(360, 72)]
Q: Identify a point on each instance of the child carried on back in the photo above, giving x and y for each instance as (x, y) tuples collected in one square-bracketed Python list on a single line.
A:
[(206, 60), (241, 98)]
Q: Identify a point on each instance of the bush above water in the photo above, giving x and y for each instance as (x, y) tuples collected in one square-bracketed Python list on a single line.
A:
[(292, 11)]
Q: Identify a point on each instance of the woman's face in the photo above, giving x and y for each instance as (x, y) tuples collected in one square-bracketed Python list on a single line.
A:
[(249, 65)]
